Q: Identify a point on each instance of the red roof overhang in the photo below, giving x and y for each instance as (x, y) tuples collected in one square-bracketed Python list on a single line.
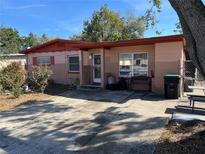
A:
[(143, 41), (82, 45), (67, 45)]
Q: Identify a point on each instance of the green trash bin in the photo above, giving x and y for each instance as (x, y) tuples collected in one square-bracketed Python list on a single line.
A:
[(171, 86)]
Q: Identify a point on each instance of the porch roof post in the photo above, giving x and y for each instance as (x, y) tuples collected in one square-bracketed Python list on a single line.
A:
[(81, 67), (103, 67)]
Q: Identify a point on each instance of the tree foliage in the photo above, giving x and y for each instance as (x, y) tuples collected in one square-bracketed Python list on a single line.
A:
[(107, 25), (43, 39), (12, 42), (31, 40), (133, 27), (178, 28), (149, 17)]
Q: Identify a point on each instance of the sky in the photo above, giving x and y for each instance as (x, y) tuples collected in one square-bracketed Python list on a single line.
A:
[(64, 18)]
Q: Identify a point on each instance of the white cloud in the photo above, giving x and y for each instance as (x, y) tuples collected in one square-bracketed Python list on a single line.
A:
[(70, 26), (138, 5), (25, 6), (51, 29)]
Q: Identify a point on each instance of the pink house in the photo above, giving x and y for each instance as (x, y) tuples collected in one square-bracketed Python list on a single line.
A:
[(92, 62), (60, 56)]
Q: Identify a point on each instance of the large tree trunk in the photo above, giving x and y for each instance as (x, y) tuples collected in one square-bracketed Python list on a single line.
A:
[(192, 17)]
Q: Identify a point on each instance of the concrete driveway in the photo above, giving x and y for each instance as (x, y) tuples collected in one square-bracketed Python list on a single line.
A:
[(79, 122)]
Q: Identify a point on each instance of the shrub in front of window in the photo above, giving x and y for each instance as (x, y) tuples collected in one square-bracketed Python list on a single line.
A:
[(75, 82), (14, 75), (39, 78)]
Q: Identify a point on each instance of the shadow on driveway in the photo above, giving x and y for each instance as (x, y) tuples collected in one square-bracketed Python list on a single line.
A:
[(101, 95), (55, 127)]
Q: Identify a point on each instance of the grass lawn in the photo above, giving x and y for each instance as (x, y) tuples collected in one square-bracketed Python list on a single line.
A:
[(182, 138), (8, 101)]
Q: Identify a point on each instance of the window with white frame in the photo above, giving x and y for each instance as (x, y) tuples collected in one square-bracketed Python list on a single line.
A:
[(44, 60), (133, 64), (73, 63)]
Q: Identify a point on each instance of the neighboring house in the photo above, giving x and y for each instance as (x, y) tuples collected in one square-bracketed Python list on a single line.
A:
[(93, 62), (6, 59)]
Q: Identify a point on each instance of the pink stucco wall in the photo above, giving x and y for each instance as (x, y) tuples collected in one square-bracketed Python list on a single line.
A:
[(169, 59), (163, 58), (60, 68)]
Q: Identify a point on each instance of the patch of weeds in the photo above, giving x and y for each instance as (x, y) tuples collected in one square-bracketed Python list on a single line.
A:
[(16, 91), (166, 139), (183, 137)]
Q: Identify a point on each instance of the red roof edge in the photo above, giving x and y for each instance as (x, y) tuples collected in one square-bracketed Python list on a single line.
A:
[(32, 49), (41, 45), (142, 41), (77, 45)]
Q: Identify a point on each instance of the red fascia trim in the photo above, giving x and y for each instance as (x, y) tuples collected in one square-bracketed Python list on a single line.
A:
[(58, 50), (67, 42), (80, 45), (40, 46), (143, 41)]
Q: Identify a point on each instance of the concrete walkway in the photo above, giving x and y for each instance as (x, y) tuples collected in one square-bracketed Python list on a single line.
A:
[(85, 122)]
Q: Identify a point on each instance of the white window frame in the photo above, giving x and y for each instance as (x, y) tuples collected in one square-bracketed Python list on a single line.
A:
[(132, 64), (44, 63), (68, 61), (128, 65)]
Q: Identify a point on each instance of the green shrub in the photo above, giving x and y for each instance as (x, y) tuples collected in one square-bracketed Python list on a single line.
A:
[(6, 81), (12, 76), (16, 91), (1, 89), (39, 78), (75, 82)]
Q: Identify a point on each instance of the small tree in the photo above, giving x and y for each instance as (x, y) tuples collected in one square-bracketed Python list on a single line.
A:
[(74, 82), (39, 78)]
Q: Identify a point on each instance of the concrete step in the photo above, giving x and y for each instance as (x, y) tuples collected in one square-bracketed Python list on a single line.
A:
[(89, 87)]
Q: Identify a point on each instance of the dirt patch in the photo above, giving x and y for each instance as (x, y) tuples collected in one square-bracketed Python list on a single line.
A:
[(182, 138), (8, 101)]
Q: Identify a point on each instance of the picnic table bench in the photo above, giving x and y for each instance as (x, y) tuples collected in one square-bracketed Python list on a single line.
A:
[(196, 87), (194, 97)]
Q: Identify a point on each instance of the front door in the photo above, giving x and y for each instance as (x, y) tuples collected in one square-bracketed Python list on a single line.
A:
[(96, 68)]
